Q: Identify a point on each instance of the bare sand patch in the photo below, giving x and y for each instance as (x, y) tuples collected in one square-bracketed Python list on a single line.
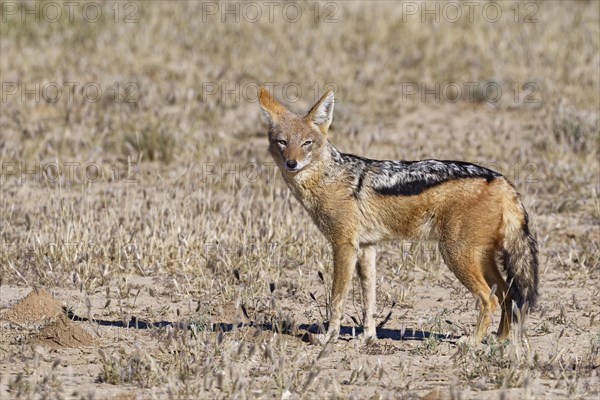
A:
[(54, 330), (37, 306), (63, 333)]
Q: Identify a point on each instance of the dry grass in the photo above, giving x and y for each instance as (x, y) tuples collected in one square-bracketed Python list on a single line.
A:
[(165, 206)]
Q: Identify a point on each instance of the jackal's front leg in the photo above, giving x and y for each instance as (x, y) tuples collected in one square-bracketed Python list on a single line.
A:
[(344, 261), (367, 274)]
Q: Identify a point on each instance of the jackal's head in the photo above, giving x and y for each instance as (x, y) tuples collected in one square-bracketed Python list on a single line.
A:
[(295, 141)]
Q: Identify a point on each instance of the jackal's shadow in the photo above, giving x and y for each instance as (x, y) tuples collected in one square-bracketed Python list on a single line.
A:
[(302, 330), (348, 333)]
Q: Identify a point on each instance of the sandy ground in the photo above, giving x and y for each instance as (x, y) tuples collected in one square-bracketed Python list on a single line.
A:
[(563, 327)]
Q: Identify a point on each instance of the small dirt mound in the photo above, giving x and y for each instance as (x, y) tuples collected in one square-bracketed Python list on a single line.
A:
[(63, 333), (37, 306)]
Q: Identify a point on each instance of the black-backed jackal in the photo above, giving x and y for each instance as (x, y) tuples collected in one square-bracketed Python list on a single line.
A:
[(474, 214)]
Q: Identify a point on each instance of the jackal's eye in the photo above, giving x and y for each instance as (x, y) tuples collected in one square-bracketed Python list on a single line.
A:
[(282, 142), (307, 143)]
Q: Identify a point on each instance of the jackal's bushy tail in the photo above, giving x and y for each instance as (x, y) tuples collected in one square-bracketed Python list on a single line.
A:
[(520, 254)]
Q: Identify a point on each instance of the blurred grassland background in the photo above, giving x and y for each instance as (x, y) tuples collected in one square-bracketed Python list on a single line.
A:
[(174, 133), (175, 49), (195, 195)]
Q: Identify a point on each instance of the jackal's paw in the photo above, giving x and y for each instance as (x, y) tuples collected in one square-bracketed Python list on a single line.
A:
[(369, 334), (366, 340), (317, 339), (465, 340), (468, 340), (321, 339)]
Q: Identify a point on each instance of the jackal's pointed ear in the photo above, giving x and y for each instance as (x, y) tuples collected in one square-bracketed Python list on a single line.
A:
[(322, 113), (271, 108)]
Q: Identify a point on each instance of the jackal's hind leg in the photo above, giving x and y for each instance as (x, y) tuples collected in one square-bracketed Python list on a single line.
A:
[(494, 277), (467, 263)]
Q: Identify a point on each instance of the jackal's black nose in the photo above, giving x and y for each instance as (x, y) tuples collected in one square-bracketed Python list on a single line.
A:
[(291, 164)]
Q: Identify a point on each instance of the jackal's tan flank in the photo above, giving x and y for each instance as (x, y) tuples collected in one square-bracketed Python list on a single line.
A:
[(474, 214)]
